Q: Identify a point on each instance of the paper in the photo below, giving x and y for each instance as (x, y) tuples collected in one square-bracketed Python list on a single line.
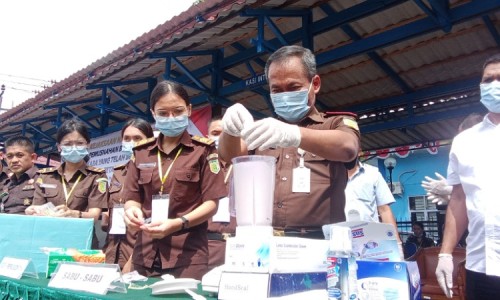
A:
[(117, 221), (88, 278), (222, 214), (13, 267)]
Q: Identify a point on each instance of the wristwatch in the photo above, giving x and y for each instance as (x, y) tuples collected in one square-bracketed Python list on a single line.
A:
[(185, 223)]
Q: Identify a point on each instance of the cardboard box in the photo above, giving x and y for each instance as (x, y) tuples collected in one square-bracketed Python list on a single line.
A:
[(73, 255), (388, 280), (371, 240)]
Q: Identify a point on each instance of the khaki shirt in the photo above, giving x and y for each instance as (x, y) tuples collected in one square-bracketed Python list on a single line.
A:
[(194, 178), (224, 227), (325, 203), (89, 192), (20, 191)]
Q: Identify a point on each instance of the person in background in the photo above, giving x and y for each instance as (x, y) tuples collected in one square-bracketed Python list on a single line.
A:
[(474, 198), (419, 237), (76, 189), (311, 148), (369, 197), (438, 190), (172, 188), (222, 225), (18, 189), (4, 171), (119, 241)]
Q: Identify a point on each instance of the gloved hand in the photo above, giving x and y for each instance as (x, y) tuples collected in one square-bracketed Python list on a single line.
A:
[(444, 272), (235, 119), (271, 133), (438, 190), (438, 199)]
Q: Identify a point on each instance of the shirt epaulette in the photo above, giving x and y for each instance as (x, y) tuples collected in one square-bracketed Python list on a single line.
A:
[(202, 140), (144, 142), (95, 169), (46, 170), (341, 113)]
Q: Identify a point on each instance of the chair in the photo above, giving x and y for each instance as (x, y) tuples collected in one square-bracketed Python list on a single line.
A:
[(427, 260)]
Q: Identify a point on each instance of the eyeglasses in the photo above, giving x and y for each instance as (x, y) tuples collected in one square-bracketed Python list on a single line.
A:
[(73, 143)]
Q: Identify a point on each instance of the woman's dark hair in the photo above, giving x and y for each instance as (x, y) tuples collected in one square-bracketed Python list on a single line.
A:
[(166, 87), (70, 126), (140, 124)]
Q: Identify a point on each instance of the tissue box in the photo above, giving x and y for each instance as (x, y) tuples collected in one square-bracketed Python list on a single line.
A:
[(375, 241), (72, 255), (388, 280)]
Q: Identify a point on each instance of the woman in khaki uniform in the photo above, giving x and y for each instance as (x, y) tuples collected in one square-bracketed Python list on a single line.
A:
[(76, 189), (172, 189), (120, 242)]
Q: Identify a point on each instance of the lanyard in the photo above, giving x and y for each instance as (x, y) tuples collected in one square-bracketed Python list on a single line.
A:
[(66, 194), (164, 177)]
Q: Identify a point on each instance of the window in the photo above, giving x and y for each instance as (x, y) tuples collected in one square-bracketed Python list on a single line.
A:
[(423, 210)]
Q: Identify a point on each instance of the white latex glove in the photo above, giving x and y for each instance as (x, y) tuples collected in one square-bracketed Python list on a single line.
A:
[(271, 133), (437, 186), (444, 273), (438, 199), (235, 119)]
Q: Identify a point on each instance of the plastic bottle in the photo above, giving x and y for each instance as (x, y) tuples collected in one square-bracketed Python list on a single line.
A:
[(341, 273)]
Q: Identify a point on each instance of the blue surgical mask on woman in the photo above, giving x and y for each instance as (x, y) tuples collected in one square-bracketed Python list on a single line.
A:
[(291, 106), (490, 95), (74, 154), (171, 126), (127, 149)]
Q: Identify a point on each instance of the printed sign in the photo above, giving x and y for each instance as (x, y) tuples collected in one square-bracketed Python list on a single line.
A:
[(13, 267), (91, 278)]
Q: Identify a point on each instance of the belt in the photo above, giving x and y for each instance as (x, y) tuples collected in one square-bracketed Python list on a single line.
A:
[(216, 236), (302, 233)]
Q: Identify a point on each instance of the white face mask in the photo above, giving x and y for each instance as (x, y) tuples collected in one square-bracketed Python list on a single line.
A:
[(127, 148), (291, 106), (490, 96)]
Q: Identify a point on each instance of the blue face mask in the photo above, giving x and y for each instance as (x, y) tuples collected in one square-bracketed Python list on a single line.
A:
[(127, 149), (490, 96), (171, 126), (291, 106), (74, 154)]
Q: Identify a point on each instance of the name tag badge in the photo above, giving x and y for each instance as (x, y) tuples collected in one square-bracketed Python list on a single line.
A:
[(28, 187), (48, 186), (146, 165), (301, 182), (160, 207), (117, 220)]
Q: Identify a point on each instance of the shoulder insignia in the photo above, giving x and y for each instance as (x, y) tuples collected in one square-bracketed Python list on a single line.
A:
[(203, 140), (144, 142), (341, 113), (213, 163), (46, 170), (95, 169), (350, 123)]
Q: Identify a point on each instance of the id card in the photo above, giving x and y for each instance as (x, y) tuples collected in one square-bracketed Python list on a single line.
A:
[(301, 182), (159, 207), (117, 220)]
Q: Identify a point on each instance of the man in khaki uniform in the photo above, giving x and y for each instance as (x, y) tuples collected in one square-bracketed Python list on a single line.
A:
[(311, 148), (18, 189)]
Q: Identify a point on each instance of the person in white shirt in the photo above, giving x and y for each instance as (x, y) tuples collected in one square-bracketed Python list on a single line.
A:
[(368, 196), (474, 198)]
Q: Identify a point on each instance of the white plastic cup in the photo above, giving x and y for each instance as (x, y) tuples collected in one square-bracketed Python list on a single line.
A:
[(253, 184)]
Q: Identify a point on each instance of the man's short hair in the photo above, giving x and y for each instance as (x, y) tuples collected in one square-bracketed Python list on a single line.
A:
[(284, 53), (491, 60), (20, 141)]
